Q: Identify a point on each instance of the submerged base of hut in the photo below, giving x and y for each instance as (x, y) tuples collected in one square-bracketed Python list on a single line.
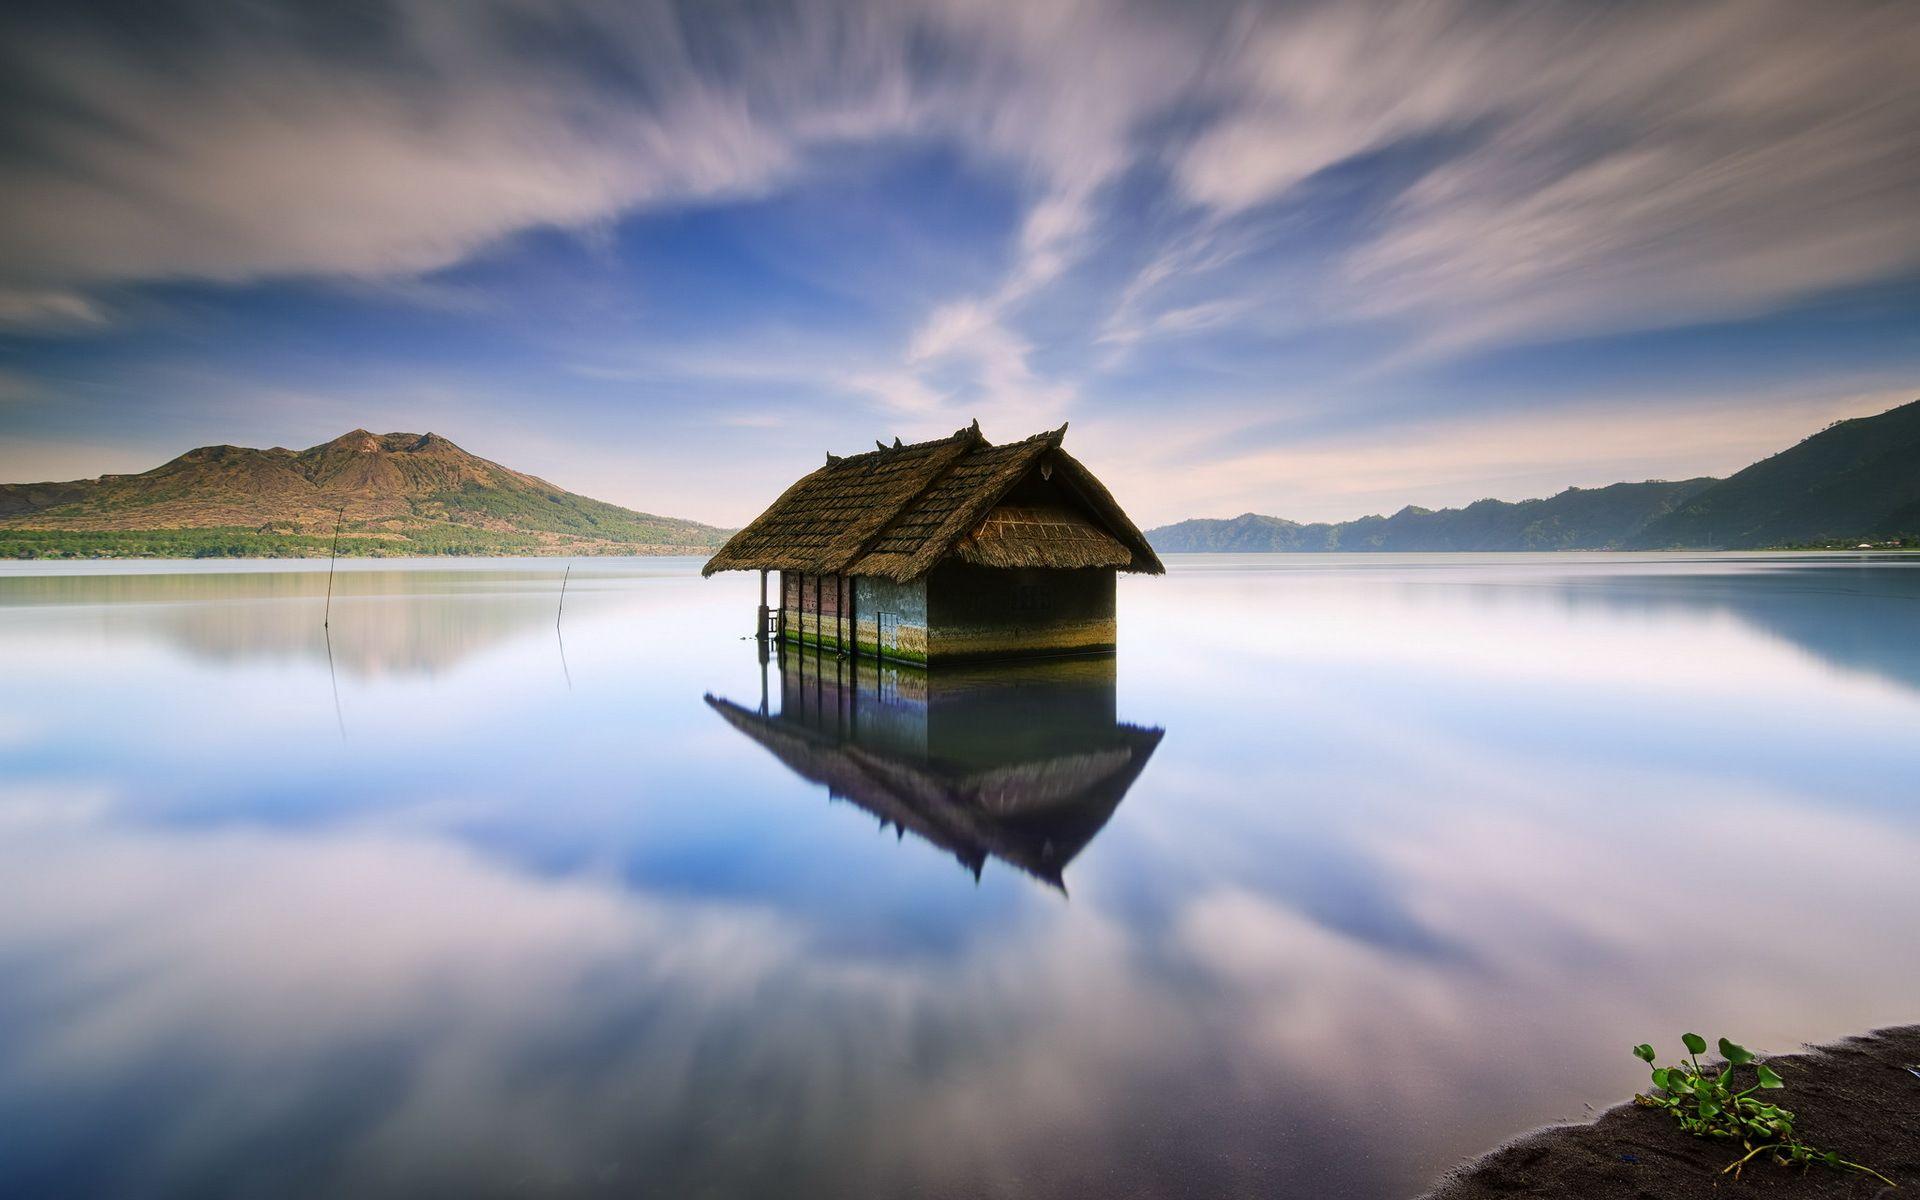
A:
[(1017, 762), (956, 612)]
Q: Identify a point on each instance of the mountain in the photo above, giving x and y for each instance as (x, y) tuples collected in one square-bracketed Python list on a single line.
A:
[(402, 493), (1576, 519), (1855, 480)]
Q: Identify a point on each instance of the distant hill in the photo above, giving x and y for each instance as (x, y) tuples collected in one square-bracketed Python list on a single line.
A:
[(1857, 480), (403, 493), (1576, 519)]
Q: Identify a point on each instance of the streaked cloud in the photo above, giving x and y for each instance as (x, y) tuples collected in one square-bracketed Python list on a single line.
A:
[(1100, 210), (1639, 166)]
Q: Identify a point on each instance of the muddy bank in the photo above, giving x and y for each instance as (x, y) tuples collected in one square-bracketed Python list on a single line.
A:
[(1857, 1097)]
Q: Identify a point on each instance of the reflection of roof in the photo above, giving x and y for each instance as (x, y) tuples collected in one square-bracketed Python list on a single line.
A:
[(898, 510), (1035, 815)]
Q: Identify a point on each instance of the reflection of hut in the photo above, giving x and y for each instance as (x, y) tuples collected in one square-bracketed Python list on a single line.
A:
[(954, 548), (1021, 762)]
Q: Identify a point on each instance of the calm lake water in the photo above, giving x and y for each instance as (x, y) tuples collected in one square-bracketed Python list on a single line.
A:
[(1347, 867)]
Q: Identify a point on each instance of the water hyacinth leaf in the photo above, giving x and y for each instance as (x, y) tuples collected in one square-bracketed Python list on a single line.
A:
[(1660, 1077), (1767, 1078), (1643, 1051), (1708, 1108), (1735, 1053), (1695, 1043)]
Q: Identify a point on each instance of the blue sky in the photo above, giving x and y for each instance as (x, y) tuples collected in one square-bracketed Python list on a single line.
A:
[(1307, 259)]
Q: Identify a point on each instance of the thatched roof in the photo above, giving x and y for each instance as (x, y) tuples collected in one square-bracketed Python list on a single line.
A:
[(898, 510), (1036, 815)]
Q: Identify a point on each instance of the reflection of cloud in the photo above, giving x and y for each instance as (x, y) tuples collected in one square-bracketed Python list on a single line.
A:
[(1585, 938), (1570, 919), (423, 1018), (577, 1035), (1353, 909)]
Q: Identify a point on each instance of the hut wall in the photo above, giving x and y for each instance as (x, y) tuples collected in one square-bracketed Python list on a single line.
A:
[(813, 605), (903, 606), (987, 612), (957, 611), (810, 620)]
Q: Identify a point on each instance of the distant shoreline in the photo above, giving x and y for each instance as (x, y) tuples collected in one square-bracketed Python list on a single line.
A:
[(194, 542), (7, 554), (1810, 549), (10, 553)]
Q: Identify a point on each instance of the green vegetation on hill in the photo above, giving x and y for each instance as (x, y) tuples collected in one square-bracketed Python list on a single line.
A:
[(400, 494), (229, 542), (1857, 481), (1854, 481)]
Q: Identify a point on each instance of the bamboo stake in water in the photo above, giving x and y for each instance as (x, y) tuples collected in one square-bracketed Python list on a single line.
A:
[(563, 594), (326, 621), (338, 718)]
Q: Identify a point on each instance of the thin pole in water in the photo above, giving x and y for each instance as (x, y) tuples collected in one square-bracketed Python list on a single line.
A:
[(558, 636), (326, 621), (338, 717)]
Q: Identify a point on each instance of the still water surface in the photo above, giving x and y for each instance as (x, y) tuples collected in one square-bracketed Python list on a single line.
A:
[(1346, 868)]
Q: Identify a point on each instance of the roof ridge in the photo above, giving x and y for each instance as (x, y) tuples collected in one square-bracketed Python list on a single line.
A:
[(970, 432), (881, 448)]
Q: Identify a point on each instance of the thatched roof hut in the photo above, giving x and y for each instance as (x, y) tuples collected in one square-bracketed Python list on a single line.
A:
[(1021, 537)]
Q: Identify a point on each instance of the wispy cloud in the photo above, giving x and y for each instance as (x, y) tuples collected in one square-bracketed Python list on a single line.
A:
[(1146, 204), (1628, 168)]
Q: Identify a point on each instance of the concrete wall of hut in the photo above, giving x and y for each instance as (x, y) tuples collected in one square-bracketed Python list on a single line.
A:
[(958, 611), (811, 618), (984, 612), (903, 608)]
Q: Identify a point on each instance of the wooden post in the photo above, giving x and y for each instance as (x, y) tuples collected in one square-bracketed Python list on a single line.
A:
[(819, 626), (760, 626), (780, 622)]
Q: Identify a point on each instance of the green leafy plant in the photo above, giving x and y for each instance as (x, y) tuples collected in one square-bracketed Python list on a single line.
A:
[(1704, 1103)]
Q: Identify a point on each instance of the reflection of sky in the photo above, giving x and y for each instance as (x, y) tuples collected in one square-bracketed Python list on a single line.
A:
[(1413, 826)]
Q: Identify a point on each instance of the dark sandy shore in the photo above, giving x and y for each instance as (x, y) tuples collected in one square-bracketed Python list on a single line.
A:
[(1856, 1097)]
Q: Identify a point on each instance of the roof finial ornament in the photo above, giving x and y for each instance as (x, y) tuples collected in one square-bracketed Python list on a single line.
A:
[(832, 458), (896, 442), (880, 445)]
